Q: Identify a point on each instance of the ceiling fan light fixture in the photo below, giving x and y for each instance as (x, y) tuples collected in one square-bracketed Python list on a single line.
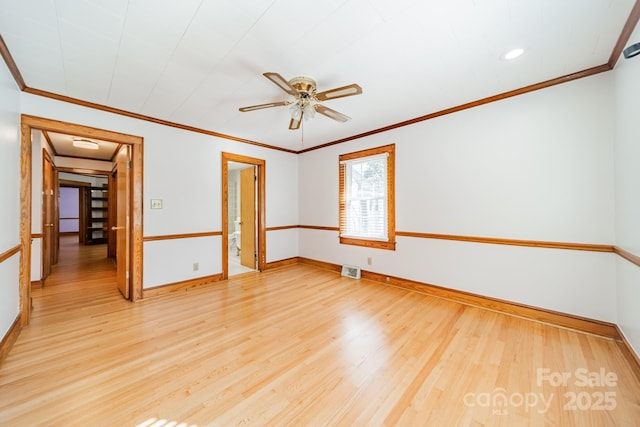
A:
[(309, 111), (86, 144), (296, 111), (306, 100)]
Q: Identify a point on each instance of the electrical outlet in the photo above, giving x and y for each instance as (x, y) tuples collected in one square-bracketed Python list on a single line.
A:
[(369, 260), (196, 266)]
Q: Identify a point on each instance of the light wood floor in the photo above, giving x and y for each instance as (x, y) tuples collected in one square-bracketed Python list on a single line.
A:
[(297, 346)]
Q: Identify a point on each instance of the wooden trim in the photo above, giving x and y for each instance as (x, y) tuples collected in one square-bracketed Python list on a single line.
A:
[(85, 171), (564, 320), (281, 263), (282, 227), (136, 143), (320, 227), (499, 97), (181, 236), (37, 283), (11, 64), (10, 338), (498, 241), (69, 156), (26, 196), (118, 111), (634, 259), (628, 352), (320, 264), (9, 253), (49, 143), (136, 220), (115, 154), (512, 242), (70, 183), (376, 244), (177, 286), (390, 242), (627, 30), (79, 130)]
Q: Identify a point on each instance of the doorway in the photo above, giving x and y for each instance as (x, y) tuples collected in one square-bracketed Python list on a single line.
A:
[(132, 230), (243, 225), (242, 256)]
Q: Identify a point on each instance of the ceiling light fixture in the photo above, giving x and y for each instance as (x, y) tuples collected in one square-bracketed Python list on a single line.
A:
[(513, 54), (85, 143), (305, 98)]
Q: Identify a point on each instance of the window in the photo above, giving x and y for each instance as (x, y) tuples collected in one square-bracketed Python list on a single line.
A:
[(367, 198)]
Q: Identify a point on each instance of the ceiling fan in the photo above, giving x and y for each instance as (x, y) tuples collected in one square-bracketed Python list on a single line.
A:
[(303, 89)]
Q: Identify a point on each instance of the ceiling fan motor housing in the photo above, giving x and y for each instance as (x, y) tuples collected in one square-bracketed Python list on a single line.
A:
[(305, 86)]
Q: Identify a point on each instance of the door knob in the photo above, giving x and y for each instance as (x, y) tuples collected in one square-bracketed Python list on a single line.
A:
[(48, 225), (117, 228)]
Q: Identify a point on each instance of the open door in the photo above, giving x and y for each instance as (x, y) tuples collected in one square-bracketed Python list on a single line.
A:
[(248, 217), (48, 215), (121, 227)]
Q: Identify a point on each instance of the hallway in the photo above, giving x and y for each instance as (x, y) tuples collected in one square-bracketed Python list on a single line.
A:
[(83, 274)]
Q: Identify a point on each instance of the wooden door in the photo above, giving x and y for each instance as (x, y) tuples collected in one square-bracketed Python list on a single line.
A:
[(112, 204), (248, 217), (121, 226), (48, 215), (55, 246)]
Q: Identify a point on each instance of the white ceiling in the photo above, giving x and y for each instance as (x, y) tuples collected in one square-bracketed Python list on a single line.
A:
[(195, 62)]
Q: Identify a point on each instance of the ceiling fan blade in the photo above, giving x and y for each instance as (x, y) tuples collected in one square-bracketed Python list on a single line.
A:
[(339, 92), (281, 82), (261, 106), (332, 114), (294, 124)]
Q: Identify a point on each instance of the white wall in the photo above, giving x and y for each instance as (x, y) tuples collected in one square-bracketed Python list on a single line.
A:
[(535, 167), (184, 170), (627, 90), (69, 208), (9, 198)]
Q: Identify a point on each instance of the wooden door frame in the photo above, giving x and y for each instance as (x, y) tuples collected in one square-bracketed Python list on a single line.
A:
[(48, 211), (29, 123), (260, 209)]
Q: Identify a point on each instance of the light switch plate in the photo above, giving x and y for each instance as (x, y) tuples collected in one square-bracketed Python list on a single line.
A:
[(156, 203)]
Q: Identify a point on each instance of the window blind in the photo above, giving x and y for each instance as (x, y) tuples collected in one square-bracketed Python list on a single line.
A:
[(365, 197)]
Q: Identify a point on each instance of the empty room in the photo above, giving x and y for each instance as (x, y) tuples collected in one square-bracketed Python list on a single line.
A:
[(335, 213)]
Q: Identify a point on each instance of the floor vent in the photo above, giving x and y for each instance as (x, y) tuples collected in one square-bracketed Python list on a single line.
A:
[(351, 271)]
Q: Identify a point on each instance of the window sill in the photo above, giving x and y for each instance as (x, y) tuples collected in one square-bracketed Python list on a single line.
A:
[(377, 244)]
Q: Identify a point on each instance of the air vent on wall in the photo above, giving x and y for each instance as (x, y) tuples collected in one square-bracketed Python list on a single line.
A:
[(351, 271)]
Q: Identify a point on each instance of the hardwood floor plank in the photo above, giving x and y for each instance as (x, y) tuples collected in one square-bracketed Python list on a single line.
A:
[(296, 345)]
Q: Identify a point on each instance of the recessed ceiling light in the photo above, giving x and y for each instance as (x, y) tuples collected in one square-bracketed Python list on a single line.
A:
[(513, 54), (85, 143)]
